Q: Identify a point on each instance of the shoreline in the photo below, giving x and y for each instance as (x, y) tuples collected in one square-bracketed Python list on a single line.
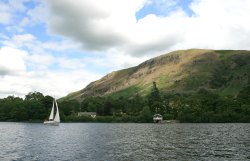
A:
[(160, 123)]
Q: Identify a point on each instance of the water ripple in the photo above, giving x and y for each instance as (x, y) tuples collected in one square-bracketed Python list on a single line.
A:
[(124, 142)]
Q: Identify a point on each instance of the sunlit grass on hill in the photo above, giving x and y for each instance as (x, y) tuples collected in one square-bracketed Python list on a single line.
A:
[(224, 71)]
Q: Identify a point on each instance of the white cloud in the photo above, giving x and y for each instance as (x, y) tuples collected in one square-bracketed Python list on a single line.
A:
[(13, 84), (12, 61), (116, 60), (60, 45), (40, 61), (9, 9), (66, 63), (17, 6), (14, 29), (58, 83), (98, 25), (21, 39), (108, 25), (3, 37), (22, 72), (36, 15), (52, 83), (5, 15), (35, 46), (218, 25)]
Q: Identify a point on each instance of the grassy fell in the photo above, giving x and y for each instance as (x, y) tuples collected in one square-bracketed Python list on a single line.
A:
[(225, 71)]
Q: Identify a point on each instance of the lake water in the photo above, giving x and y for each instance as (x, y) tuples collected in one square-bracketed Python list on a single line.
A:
[(124, 142)]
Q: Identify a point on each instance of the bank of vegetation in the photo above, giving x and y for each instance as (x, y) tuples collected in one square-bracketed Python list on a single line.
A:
[(201, 106)]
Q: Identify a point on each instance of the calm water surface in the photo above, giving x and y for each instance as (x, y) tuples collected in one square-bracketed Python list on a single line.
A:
[(124, 142)]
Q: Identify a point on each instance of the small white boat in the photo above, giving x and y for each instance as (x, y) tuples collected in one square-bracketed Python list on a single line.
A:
[(157, 118), (53, 120)]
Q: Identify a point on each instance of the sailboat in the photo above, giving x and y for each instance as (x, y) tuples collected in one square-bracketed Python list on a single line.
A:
[(53, 120)]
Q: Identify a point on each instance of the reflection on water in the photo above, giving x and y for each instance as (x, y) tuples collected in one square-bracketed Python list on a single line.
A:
[(107, 142)]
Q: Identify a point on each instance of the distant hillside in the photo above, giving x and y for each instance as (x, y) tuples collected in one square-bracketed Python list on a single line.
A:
[(223, 71)]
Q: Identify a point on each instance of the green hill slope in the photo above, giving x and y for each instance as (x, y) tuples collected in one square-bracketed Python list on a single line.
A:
[(223, 71)]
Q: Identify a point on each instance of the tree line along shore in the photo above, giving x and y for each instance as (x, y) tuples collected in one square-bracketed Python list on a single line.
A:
[(201, 106)]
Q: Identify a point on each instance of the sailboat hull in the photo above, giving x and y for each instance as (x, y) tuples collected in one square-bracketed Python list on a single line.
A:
[(52, 123)]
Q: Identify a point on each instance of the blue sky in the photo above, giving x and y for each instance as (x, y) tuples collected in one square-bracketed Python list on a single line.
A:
[(163, 8), (57, 47)]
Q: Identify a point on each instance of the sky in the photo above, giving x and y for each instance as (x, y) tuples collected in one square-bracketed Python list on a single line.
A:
[(60, 46)]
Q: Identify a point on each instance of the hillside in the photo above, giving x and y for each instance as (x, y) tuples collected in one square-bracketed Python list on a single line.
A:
[(223, 71)]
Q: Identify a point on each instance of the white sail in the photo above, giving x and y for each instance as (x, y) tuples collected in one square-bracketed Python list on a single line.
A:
[(51, 116), (53, 120), (57, 117)]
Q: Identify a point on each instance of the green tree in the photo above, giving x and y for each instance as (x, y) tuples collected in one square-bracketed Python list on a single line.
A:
[(70, 107), (154, 100), (146, 115), (108, 107), (34, 96), (244, 95)]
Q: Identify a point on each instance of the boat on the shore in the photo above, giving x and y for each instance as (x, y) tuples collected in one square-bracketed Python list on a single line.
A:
[(157, 118)]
